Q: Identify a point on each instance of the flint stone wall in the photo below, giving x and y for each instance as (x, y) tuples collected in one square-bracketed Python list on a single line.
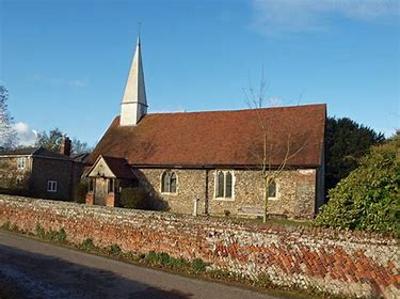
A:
[(296, 192), (337, 262)]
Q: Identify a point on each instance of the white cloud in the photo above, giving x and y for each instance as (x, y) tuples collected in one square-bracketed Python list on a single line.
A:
[(278, 16), (26, 135)]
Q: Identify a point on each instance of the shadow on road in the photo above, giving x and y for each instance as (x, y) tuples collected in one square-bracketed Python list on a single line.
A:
[(29, 275)]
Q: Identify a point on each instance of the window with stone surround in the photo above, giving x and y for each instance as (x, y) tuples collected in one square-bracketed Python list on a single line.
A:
[(51, 186), (272, 190), (224, 184), (21, 163), (168, 182)]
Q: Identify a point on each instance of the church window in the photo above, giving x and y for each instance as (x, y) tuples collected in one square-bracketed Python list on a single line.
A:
[(224, 184), (168, 182), (272, 190)]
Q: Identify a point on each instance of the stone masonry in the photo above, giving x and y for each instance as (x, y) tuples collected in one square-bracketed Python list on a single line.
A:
[(296, 192), (336, 262)]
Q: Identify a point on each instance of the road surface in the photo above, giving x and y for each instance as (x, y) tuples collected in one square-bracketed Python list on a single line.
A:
[(34, 269)]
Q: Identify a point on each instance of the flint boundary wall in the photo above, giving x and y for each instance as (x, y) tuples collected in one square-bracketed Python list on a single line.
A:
[(337, 262)]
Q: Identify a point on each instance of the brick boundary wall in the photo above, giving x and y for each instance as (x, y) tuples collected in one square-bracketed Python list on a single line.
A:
[(336, 262)]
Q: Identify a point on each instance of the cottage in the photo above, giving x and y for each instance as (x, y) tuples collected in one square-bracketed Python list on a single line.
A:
[(211, 160), (38, 172)]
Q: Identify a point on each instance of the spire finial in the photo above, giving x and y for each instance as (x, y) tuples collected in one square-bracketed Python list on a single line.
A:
[(139, 31)]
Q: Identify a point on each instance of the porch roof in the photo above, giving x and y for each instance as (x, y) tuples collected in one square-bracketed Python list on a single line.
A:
[(119, 167)]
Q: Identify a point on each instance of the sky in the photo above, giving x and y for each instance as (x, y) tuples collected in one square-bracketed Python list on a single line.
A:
[(65, 63)]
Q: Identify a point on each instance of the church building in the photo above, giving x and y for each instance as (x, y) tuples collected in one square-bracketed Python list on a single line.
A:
[(211, 162)]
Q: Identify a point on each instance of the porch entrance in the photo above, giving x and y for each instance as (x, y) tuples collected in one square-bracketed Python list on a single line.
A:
[(101, 191)]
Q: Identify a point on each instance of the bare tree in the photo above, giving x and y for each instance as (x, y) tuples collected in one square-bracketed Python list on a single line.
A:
[(266, 150), (8, 135)]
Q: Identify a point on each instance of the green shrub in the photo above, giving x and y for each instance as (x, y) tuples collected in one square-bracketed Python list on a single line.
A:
[(61, 235), (369, 198), (162, 258), (114, 249), (87, 245), (52, 235), (179, 263), (151, 258), (40, 232), (199, 265), (133, 198)]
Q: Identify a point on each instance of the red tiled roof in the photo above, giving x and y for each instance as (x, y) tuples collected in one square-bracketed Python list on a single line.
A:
[(219, 138)]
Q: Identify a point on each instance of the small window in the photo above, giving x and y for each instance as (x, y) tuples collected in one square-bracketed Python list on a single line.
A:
[(51, 186), (272, 190), (110, 185), (21, 163), (168, 182), (224, 184)]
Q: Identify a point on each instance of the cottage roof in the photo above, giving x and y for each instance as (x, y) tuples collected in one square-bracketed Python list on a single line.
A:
[(219, 138), (80, 158), (34, 151), (24, 151)]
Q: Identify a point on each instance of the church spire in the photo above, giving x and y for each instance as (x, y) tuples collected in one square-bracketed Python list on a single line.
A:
[(134, 103)]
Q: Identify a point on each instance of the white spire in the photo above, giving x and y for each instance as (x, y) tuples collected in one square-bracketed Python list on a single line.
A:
[(134, 103)]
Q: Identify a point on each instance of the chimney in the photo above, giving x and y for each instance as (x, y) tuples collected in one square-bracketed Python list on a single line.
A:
[(65, 148)]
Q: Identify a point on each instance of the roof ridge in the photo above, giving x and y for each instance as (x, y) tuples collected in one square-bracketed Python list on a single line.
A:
[(242, 110)]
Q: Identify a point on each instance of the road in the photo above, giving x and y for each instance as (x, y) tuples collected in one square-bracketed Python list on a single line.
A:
[(36, 269)]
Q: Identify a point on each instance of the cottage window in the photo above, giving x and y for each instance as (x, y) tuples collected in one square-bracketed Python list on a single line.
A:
[(110, 185), (51, 186), (224, 184), (272, 190), (168, 182), (21, 163)]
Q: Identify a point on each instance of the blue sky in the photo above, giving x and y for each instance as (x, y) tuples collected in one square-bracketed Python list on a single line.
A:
[(65, 63)]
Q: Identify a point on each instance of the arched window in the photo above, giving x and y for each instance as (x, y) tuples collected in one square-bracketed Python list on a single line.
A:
[(220, 184), (272, 189), (168, 182), (173, 182), (224, 184), (228, 185)]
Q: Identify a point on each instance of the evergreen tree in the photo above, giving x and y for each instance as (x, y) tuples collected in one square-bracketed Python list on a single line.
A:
[(346, 142), (369, 198)]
